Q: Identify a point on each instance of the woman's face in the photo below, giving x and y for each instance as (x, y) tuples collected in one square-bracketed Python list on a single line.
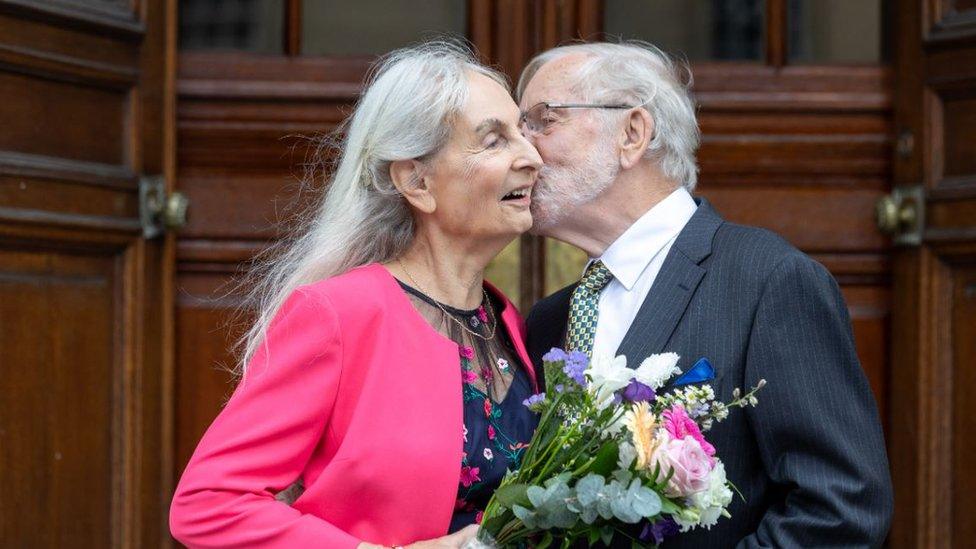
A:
[(481, 180)]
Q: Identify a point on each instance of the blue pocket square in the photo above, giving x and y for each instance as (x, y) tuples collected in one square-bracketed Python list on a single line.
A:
[(701, 371)]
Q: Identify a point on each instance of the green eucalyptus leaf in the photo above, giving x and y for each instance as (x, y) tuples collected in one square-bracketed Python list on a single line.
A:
[(525, 515), (537, 495), (513, 494)]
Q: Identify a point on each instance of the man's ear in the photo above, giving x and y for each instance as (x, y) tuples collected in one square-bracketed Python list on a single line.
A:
[(409, 178), (637, 134)]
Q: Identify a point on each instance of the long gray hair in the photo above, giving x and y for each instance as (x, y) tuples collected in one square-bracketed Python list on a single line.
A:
[(406, 112)]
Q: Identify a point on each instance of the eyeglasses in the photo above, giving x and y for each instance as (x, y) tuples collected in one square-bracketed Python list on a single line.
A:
[(538, 117)]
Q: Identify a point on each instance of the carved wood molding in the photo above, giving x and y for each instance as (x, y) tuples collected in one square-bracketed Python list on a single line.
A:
[(67, 68), (113, 18), (64, 169)]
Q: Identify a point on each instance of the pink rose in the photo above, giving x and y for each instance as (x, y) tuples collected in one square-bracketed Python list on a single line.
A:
[(466, 352), (689, 463), (679, 425), (469, 376)]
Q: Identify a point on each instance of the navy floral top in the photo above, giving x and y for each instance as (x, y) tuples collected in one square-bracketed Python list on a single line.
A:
[(497, 426)]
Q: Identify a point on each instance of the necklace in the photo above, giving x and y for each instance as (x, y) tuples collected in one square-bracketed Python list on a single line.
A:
[(486, 303)]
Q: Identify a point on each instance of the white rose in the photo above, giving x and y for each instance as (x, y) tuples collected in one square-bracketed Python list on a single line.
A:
[(607, 376)]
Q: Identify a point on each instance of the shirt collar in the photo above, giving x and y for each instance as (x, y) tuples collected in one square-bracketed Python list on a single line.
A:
[(629, 255)]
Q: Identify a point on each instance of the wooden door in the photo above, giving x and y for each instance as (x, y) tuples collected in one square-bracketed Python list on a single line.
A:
[(84, 308), (932, 412)]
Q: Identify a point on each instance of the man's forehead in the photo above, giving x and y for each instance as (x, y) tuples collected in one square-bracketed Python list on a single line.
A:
[(554, 80)]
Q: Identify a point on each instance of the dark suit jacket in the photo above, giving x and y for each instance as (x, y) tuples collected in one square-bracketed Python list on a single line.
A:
[(810, 459)]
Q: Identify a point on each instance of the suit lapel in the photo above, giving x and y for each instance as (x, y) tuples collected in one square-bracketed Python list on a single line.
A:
[(663, 307), (673, 288), (560, 328)]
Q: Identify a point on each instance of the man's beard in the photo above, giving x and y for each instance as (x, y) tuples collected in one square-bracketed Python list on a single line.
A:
[(561, 189)]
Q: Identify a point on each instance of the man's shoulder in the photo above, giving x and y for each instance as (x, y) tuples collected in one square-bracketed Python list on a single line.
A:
[(755, 248)]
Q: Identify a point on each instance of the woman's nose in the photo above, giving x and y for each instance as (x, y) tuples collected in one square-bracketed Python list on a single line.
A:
[(530, 157)]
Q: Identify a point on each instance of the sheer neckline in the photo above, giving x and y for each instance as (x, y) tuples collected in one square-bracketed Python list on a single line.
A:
[(453, 310), (506, 314)]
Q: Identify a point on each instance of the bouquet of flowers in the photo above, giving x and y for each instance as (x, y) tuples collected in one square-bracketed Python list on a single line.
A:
[(612, 456)]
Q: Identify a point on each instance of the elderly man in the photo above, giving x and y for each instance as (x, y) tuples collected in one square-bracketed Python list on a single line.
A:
[(616, 128)]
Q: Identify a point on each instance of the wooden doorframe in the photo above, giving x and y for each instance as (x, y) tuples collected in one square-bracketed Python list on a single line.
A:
[(935, 63)]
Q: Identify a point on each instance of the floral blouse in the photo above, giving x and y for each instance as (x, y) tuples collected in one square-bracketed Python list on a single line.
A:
[(496, 435), (497, 425)]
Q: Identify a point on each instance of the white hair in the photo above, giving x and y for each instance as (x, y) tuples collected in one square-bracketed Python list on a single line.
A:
[(407, 111), (638, 73)]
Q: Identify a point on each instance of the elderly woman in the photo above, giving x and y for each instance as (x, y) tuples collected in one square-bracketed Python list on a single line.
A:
[(383, 371)]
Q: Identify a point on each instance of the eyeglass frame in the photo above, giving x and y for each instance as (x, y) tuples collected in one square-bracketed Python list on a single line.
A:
[(523, 120)]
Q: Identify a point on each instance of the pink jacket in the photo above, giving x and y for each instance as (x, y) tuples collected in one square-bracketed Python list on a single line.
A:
[(357, 395)]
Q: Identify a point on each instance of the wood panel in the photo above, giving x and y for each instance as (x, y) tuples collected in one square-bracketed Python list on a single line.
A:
[(933, 313), (38, 109), (204, 378), (870, 308), (963, 409), (60, 417), (82, 429)]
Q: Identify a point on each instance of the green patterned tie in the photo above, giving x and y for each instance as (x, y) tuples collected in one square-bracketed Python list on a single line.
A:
[(584, 307)]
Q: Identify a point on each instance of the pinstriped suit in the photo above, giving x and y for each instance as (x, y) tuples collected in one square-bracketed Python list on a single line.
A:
[(810, 459)]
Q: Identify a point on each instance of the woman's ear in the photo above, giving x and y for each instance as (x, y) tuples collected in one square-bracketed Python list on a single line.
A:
[(409, 178), (637, 135)]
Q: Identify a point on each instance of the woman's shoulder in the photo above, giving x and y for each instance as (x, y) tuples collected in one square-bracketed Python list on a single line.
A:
[(355, 292)]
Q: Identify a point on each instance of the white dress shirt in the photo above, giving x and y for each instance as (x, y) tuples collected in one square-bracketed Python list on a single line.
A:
[(635, 259)]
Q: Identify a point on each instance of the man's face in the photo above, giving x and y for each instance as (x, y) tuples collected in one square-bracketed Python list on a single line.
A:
[(576, 146)]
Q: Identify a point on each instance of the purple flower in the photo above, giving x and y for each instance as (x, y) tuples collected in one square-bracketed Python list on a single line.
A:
[(574, 366), (533, 400), (554, 355), (638, 392), (579, 359), (659, 530), (559, 387)]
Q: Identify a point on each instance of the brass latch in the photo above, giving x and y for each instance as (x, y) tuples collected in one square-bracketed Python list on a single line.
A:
[(901, 215), (157, 211)]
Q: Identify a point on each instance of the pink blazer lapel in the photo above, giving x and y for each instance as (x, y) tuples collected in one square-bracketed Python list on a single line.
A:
[(515, 326)]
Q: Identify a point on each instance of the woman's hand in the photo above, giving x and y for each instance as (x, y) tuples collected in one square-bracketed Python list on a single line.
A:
[(450, 541)]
